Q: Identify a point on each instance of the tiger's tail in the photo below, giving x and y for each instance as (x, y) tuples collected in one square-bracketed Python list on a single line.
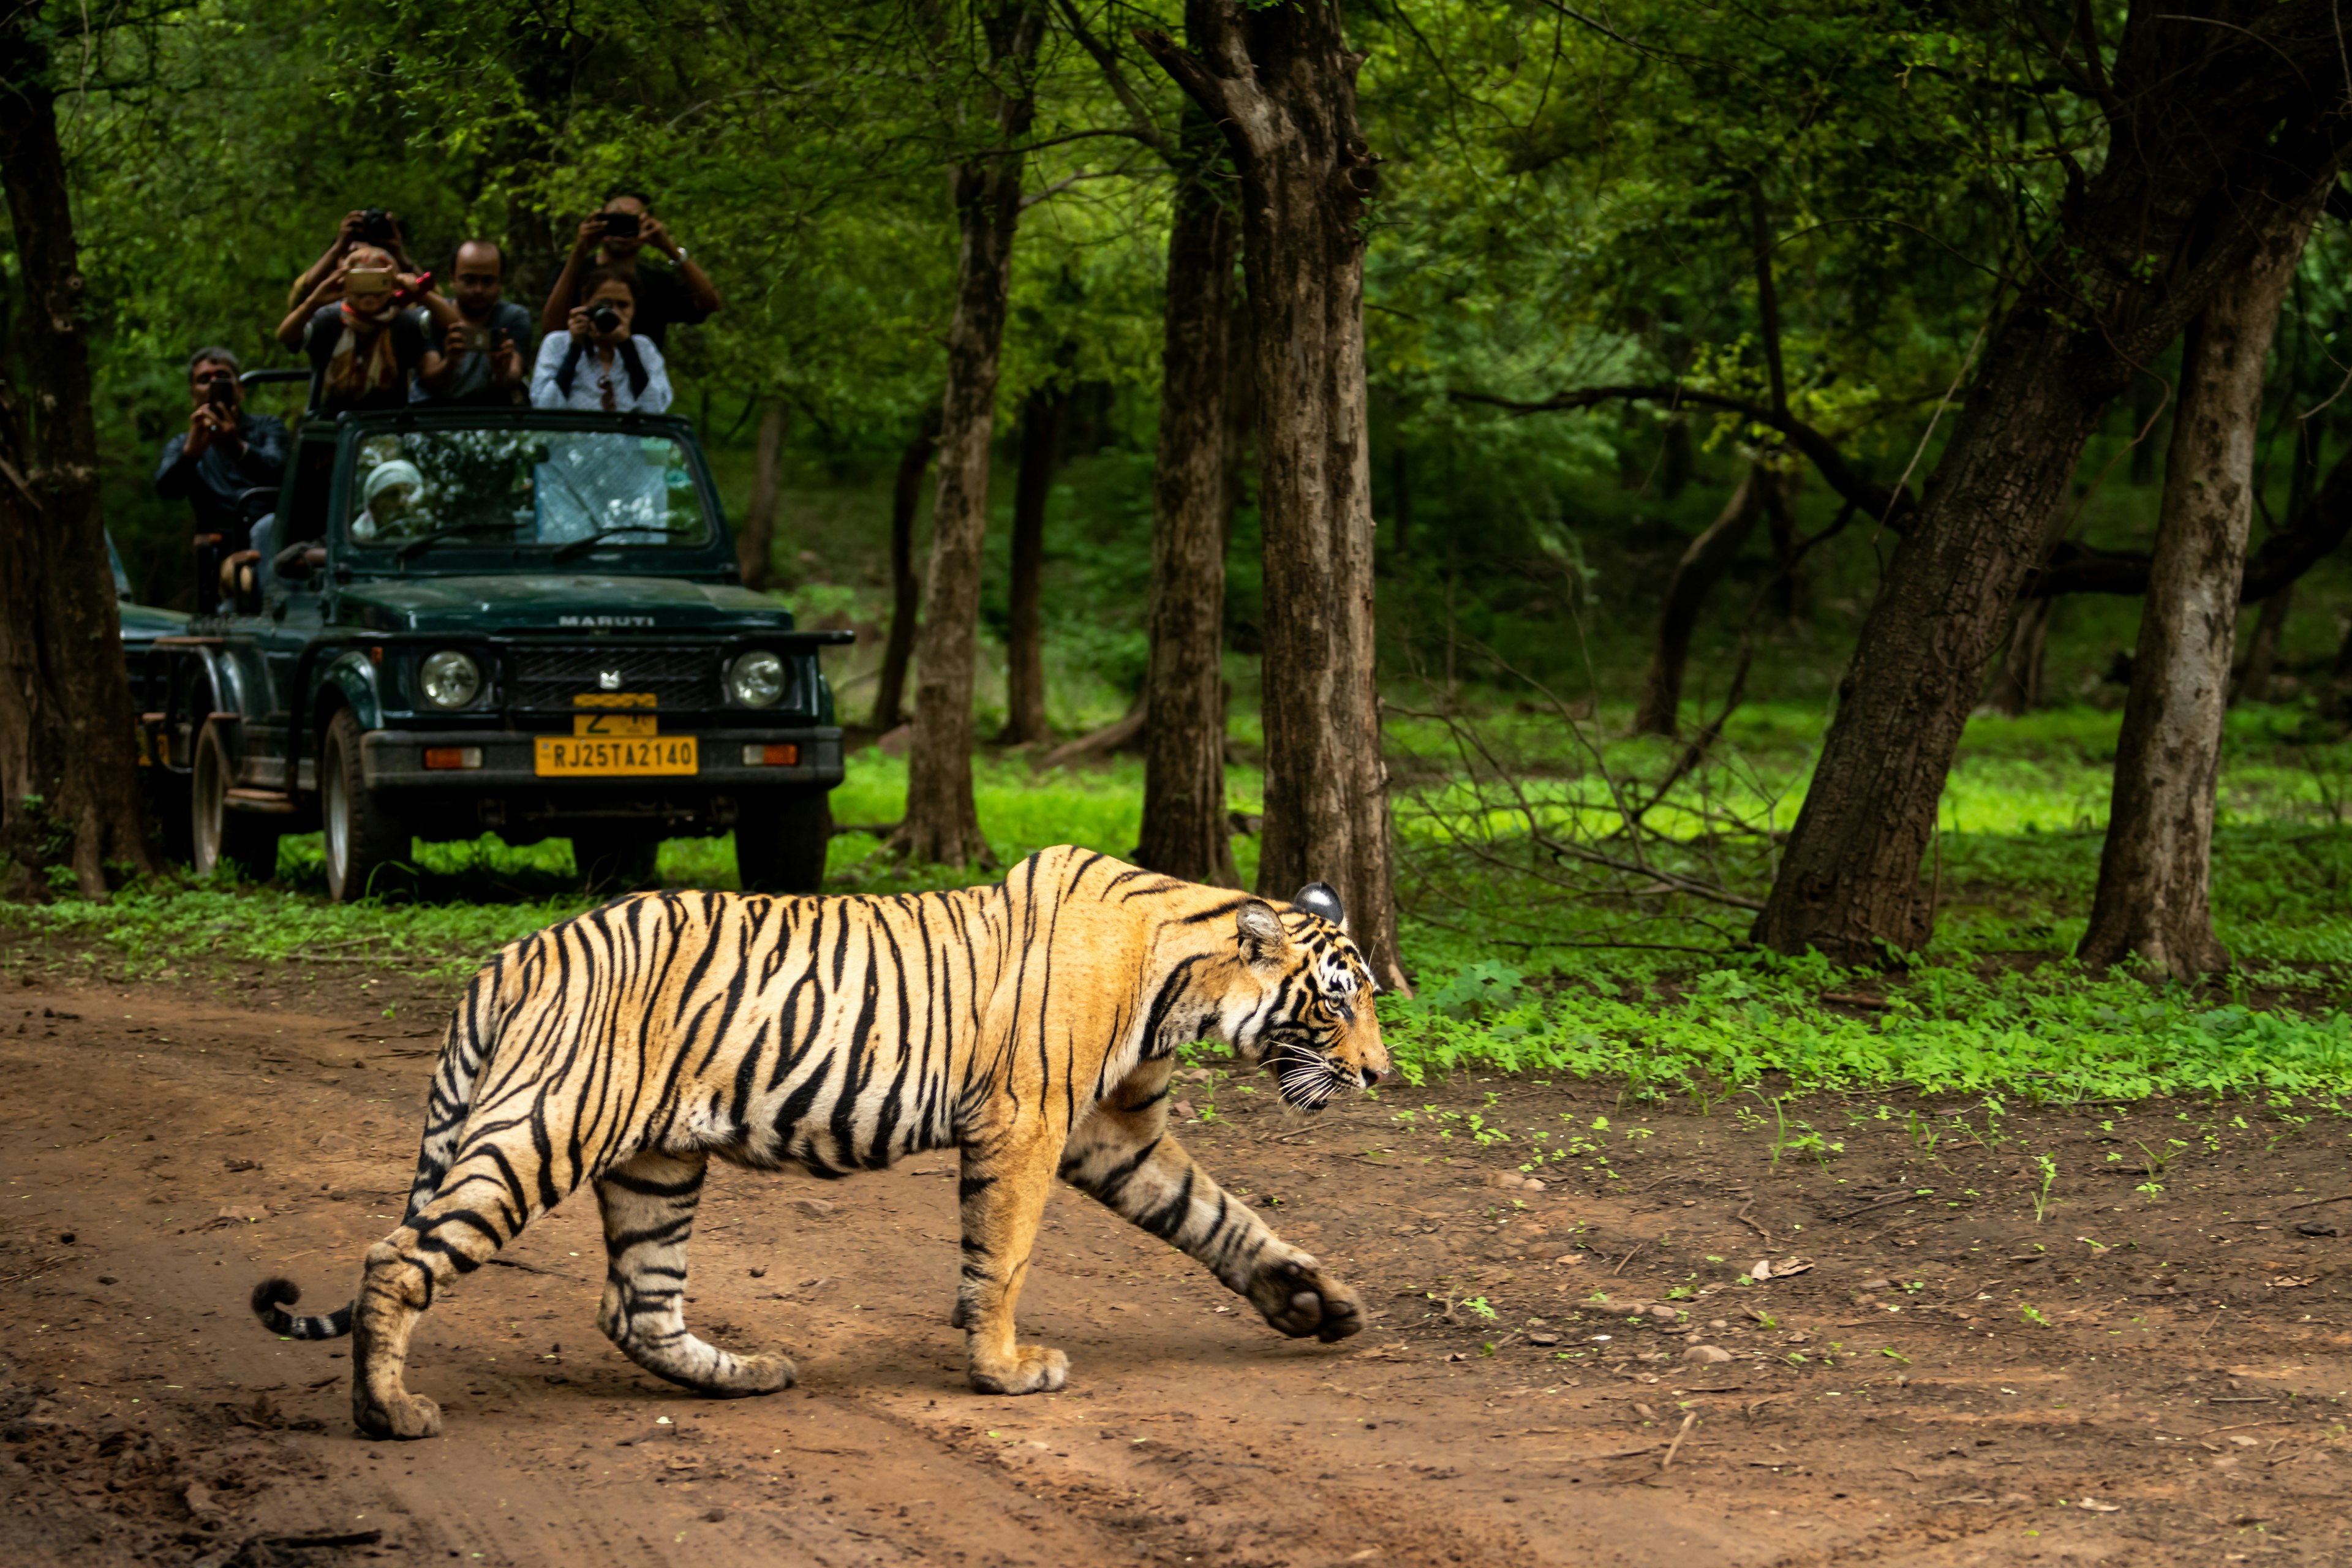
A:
[(472, 1036)]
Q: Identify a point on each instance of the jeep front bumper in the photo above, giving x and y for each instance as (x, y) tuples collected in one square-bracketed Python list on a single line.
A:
[(501, 759)]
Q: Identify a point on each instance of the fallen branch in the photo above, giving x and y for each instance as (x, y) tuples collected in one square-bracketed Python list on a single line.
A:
[(2316, 1202), (1675, 1447), (1109, 738)]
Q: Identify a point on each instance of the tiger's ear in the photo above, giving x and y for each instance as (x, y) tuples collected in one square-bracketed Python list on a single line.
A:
[(1318, 899), (1263, 940)]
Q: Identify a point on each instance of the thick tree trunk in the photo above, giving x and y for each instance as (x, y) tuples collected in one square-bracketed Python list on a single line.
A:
[(68, 762), (1280, 82), (1701, 566), (942, 821), (755, 547), (2200, 109), (1185, 832), (1024, 642), (897, 651), (2155, 874), (2017, 685), (2262, 654)]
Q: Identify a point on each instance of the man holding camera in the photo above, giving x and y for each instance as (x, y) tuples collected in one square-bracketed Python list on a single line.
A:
[(678, 295), (225, 452), (481, 356), (361, 226)]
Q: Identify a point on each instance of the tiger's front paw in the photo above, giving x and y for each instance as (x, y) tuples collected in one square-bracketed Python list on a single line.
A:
[(1298, 1299), (1031, 1369)]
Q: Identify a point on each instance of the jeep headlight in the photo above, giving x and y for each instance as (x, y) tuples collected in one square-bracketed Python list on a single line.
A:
[(449, 679), (756, 679)]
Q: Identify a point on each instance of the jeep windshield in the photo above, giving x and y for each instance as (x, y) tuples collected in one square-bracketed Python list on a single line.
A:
[(420, 490)]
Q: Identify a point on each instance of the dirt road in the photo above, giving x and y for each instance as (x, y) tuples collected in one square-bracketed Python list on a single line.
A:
[(1950, 1382)]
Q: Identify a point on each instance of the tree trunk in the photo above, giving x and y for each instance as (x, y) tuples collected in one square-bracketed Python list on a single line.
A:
[(68, 762), (2200, 111), (2155, 873), (1679, 462), (1400, 502), (755, 546), (2017, 685), (942, 821), (1280, 82), (2261, 656), (1024, 650), (1701, 567), (1185, 832), (2147, 404), (905, 496)]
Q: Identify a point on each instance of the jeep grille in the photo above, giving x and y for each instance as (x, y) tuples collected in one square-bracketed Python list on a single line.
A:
[(546, 679)]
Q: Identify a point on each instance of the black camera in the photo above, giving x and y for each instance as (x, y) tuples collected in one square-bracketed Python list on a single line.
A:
[(622, 225), (376, 226), (220, 388), (604, 318)]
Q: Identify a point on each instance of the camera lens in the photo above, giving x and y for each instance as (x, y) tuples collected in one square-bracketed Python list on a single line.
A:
[(603, 318)]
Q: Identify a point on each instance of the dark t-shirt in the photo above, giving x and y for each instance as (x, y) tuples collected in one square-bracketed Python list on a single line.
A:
[(212, 481), (472, 383), (663, 301), (325, 329)]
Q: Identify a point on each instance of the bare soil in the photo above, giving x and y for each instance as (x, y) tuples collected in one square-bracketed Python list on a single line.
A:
[(2143, 1377)]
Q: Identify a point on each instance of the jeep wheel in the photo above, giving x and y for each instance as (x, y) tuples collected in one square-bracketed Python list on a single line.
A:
[(217, 836), (363, 835), (780, 848), (615, 861)]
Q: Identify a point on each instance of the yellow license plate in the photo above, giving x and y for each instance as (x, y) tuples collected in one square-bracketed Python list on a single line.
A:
[(573, 756)]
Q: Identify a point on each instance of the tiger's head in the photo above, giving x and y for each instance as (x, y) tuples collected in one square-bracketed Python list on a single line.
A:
[(1302, 999)]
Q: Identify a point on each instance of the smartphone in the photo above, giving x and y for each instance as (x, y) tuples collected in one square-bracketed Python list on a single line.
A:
[(622, 225), (221, 391), (478, 339), (370, 280)]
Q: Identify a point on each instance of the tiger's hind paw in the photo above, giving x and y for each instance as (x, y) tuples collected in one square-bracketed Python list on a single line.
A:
[(1298, 1299), (1032, 1369), (406, 1415), (757, 1375)]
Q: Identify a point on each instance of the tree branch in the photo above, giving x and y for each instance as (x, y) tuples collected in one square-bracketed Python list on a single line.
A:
[(1888, 506), (2284, 557)]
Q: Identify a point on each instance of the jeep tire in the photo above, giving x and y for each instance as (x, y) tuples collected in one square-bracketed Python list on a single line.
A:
[(779, 845), (218, 836), (363, 836)]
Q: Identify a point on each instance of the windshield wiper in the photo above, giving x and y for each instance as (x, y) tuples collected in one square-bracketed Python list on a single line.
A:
[(571, 548), (452, 532)]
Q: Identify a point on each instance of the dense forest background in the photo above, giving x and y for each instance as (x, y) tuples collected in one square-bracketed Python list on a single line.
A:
[(1562, 203)]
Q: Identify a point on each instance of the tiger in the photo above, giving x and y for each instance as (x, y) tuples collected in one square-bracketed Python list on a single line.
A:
[(1032, 1025)]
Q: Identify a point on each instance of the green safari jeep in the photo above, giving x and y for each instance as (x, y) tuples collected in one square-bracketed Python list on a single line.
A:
[(517, 621)]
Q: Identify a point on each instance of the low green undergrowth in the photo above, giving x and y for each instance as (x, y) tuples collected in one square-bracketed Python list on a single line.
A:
[(1993, 1007)]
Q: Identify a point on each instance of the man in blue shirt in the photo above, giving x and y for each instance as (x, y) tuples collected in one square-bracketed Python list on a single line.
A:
[(224, 453)]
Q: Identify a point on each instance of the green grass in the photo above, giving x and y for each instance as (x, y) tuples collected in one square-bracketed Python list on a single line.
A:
[(1994, 1006)]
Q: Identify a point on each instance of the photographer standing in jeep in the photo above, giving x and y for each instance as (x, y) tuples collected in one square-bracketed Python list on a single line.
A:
[(361, 226), (225, 452), (481, 356), (598, 361), (613, 240)]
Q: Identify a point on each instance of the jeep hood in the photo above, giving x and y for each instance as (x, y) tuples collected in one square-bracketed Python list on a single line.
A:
[(556, 601)]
